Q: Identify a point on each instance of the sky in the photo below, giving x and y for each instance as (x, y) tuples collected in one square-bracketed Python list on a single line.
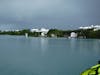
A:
[(61, 14)]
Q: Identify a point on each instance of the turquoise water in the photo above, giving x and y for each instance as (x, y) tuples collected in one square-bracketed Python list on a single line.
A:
[(47, 56)]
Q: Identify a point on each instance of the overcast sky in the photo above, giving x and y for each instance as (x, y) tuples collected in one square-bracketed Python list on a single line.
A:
[(64, 14)]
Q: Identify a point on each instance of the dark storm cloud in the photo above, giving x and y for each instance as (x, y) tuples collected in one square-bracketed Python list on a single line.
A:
[(58, 13)]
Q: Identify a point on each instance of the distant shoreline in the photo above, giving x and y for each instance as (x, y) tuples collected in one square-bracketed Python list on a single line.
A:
[(85, 34)]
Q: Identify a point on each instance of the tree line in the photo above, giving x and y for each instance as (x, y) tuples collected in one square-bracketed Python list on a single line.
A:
[(88, 33)]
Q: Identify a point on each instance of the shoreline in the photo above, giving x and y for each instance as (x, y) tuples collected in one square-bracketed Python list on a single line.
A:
[(55, 33), (52, 37)]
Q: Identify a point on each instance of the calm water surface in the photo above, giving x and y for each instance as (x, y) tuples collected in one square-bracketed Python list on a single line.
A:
[(47, 56)]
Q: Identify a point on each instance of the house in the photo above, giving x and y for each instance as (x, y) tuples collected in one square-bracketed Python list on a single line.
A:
[(73, 35)]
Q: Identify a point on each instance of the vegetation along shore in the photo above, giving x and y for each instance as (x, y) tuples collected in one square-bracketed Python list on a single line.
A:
[(81, 33)]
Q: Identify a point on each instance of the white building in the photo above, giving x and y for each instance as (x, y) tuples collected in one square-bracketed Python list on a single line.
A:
[(73, 35), (42, 30), (34, 30)]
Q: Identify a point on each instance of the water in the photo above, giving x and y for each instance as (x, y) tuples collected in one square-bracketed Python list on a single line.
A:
[(47, 56)]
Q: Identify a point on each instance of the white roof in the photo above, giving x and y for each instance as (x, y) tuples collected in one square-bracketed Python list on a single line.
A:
[(40, 30)]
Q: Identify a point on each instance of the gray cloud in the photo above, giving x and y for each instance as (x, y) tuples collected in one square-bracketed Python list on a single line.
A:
[(53, 13)]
